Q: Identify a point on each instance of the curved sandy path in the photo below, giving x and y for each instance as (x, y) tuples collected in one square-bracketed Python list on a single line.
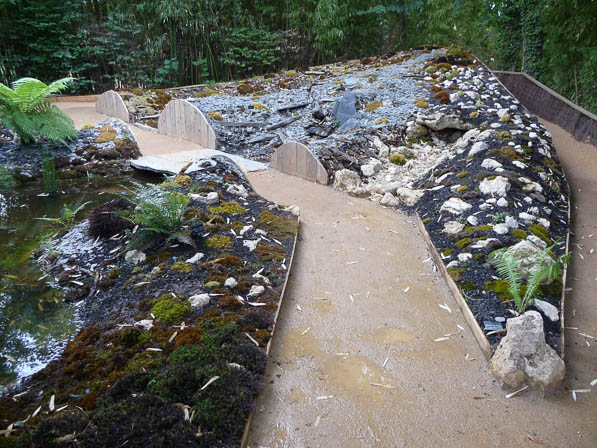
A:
[(328, 383), (150, 143), (432, 398)]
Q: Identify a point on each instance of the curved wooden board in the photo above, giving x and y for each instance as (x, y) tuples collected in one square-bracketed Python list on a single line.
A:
[(181, 119), (245, 437), (296, 159), (480, 337), (111, 104)]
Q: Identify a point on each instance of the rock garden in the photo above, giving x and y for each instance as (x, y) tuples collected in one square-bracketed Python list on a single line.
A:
[(174, 285), (175, 282)]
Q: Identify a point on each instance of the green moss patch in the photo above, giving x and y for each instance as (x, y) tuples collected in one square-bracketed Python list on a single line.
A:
[(282, 228), (170, 308), (455, 273), (398, 159), (219, 242), (500, 288), (519, 234), (463, 242), (228, 208), (181, 266), (541, 232)]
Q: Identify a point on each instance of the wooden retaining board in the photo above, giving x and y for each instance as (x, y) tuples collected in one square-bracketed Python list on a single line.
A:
[(296, 159), (245, 438), (111, 103), (182, 119), (544, 102), (466, 311)]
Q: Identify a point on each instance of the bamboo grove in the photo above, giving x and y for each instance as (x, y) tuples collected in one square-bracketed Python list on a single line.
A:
[(156, 43)]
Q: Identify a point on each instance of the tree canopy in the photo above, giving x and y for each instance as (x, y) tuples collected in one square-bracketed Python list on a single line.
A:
[(159, 43)]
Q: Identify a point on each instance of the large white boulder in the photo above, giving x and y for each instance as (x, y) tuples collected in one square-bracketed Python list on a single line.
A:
[(523, 357)]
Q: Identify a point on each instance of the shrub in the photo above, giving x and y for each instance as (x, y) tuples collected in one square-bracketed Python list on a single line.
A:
[(25, 111), (104, 222)]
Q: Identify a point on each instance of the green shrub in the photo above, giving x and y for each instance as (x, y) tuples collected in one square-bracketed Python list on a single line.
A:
[(25, 111)]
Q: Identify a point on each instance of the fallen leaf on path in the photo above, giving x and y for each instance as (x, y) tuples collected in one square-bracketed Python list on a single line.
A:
[(445, 307), (579, 391), (511, 394), (385, 386)]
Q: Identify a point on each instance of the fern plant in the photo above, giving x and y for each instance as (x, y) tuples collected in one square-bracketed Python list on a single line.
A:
[(68, 215), (507, 264), (25, 110), (159, 214)]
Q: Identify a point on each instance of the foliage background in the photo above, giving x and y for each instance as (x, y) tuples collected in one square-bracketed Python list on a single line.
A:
[(158, 43)]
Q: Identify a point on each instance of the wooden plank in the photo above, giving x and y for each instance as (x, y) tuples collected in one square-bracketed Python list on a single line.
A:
[(301, 160), (296, 159), (564, 275), (466, 311), (111, 104), (182, 119), (311, 169), (245, 438)]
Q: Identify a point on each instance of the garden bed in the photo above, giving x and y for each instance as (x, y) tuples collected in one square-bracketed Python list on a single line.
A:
[(173, 343), (104, 149)]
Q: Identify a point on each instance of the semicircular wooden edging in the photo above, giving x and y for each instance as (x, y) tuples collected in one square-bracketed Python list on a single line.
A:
[(296, 159), (112, 104), (182, 119)]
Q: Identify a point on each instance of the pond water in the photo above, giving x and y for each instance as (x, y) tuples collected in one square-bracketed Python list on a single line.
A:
[(35, 323)]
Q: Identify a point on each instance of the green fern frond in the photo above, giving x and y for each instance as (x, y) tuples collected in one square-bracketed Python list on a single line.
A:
[(507, 267), (25, 110)]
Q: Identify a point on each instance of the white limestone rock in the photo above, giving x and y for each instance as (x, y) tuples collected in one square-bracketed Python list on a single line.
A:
[(409, 196), (199, 300), (455, 206), (389, 200), (523, 357), (495, 187), (453, 227), (346, 180), (135, 256), (547, 309)]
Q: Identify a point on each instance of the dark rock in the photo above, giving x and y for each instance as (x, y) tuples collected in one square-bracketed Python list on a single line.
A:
[(345, 108), (109, 153)]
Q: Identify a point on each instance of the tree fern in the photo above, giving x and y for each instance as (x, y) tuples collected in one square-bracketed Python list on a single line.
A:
[(25, 110)]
